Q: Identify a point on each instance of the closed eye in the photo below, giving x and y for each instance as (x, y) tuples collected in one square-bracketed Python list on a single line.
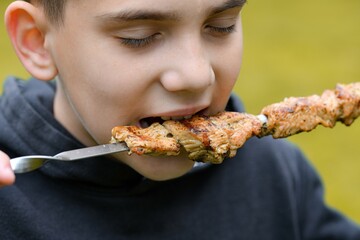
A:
[(221, 30), (139, 42)]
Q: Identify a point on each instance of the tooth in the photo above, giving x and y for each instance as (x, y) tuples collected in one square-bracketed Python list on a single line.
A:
[(165, 118)]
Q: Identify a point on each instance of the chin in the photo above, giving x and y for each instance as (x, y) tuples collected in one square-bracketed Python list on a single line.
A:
[(159, 168)]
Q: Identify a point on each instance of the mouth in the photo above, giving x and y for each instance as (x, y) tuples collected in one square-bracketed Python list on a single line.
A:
[(146, 122)]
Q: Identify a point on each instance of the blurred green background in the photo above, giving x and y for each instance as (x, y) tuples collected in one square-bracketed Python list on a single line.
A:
[(292, 48)]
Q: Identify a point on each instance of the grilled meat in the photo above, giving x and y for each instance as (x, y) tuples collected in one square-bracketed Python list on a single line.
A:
[(213, 138), (295, 115), (154, 140), (206, 139), (349, 100)]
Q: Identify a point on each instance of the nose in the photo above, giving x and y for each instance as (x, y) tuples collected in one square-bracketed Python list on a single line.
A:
[(188, 68)]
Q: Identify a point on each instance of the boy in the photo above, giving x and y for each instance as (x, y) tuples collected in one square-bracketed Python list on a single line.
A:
[(122, 62)]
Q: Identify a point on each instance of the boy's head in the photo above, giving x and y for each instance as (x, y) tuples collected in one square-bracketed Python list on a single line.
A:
[(128, 62)]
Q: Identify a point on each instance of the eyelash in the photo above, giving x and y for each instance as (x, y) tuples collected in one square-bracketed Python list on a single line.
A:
[(222, 30), (143, 42), (138, 42)]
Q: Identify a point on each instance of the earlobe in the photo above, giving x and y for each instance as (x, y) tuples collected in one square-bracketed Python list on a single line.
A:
[(25, 25)]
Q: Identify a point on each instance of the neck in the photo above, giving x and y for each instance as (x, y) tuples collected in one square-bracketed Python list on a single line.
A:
[(66, 113)]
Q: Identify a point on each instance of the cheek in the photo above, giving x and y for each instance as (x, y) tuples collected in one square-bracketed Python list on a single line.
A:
[(227, 67), (233, 58), (101, 80)]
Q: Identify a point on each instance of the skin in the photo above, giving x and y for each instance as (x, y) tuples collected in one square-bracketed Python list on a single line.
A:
[(120, 61)]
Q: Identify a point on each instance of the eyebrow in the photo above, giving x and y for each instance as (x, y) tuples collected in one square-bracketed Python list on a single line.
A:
[(133, 15), (228, 5)]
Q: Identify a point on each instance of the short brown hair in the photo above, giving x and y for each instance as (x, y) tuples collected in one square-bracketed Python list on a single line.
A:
[(53, 9)]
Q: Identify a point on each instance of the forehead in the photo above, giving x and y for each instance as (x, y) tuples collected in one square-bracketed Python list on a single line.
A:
[(94, 8)]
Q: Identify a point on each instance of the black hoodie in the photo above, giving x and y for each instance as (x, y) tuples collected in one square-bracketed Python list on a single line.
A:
[(268, 191)]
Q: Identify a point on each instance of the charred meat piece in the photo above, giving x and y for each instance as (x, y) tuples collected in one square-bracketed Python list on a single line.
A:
[(295, 115), (349, 100), (200, 138), (154, 140), (211, 139), (239, 128)]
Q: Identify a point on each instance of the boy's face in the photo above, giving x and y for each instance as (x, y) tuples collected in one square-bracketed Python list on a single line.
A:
[(124, 61)]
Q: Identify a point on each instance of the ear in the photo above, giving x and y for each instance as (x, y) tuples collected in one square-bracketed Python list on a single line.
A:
[(26, 26)]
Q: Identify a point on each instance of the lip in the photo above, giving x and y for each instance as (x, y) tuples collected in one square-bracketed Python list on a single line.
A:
[(181, 112), (185, 112)]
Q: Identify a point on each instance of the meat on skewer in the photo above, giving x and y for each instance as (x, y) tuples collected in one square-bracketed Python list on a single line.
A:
[(154, 140), (213, 138), (206, 139), (295, 115)]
